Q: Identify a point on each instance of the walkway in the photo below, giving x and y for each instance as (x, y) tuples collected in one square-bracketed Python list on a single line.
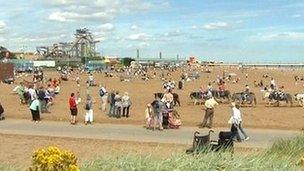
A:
[(259, 138)]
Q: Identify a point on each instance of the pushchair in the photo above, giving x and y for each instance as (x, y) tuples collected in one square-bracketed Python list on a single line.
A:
[(203, 143)]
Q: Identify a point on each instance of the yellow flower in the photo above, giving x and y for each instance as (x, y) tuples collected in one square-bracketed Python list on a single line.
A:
[(54, 159)]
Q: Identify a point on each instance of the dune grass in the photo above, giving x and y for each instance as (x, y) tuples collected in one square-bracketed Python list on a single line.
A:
[(9, 168), (283, 155)]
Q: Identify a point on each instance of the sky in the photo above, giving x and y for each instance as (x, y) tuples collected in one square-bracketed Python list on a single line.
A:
[(225, 30)]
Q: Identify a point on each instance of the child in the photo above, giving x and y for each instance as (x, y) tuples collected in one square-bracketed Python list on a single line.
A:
[(149, 116)]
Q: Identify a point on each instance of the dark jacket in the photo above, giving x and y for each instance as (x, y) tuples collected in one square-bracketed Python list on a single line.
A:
[(111, 98), (1, 110)]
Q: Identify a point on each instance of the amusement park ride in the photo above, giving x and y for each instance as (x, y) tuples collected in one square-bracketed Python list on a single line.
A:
[(84, 45)]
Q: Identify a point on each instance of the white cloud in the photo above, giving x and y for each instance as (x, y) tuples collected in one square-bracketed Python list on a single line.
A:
[(194, 27), (296, 16), (278, 36), (57, 16), (134, 27), (143, 44), (2, 26), (108, 27), (74, 16), (216, 26), (173, 33), (59, 2), (101, 10), (139, 37), (104, 31)]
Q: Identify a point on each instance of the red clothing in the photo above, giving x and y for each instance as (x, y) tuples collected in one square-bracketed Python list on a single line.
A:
[(72, 103), (222, 87)]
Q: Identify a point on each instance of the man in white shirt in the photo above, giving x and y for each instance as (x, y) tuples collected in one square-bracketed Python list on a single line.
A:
[(236, 121)]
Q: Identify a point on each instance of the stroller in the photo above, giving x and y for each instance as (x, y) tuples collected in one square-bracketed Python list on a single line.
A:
[(203, 143)]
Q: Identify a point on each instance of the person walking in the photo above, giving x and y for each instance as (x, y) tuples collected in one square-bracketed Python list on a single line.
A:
[(104, 98), (236, 123), (209, 112), (111, 100), (41, 98), (117, 105), (35, 108), (157, 113), (73, 108), (89, 110), (126, 104)]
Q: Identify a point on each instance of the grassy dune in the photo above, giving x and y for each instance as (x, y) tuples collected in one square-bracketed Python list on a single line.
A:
[(283, 155)]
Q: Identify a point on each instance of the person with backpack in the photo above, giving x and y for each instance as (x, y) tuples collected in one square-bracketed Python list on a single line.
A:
[(1, 112), (89, 110), (104, 98)]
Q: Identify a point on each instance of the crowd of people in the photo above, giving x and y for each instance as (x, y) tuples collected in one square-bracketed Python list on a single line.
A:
[(39, 95), (160, 114)]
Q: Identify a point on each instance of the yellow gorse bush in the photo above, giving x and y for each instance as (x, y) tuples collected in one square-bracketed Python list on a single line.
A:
[(53, 158)]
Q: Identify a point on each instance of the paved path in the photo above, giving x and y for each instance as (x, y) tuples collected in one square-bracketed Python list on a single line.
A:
[(259, 138)]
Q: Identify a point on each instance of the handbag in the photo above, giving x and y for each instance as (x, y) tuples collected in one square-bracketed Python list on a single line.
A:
[(87, 106)]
